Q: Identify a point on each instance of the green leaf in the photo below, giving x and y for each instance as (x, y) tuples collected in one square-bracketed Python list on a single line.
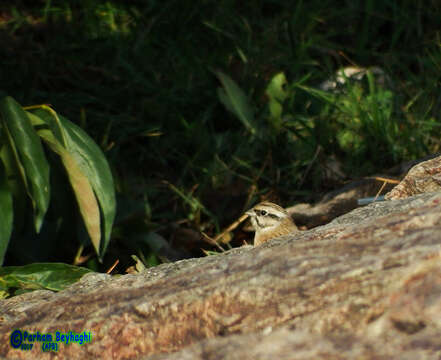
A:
[(50, 276), (6, 213), (83, 191), (92, 163), (139, 266), (236, 101), (87, 202), (52, 120), (276, 97), (275, 89), (15, 184), (29, 156)]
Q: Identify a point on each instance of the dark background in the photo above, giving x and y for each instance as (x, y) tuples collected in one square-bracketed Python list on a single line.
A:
[(139, 77)]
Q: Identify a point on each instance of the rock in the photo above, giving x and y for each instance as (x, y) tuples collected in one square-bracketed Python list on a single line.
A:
[(367, 285), (422, 178), (352, 73), (336, 203)]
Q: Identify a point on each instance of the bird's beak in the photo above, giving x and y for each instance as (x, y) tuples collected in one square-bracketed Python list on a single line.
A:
[(250, 213)]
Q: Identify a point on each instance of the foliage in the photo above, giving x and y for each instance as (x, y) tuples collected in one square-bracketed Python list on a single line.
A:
[(15, 280), (203, 109), (27, 179)]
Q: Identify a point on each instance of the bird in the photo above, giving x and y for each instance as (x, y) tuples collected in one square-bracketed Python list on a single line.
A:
[(269, 221)]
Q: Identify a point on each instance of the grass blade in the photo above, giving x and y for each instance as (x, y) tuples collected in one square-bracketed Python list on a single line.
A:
[(236, 101)]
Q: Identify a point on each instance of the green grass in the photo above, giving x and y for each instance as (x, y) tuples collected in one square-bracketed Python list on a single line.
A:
[(140, 77)]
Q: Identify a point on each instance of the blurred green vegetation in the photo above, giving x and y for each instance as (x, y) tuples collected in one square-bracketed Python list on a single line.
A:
[(150, 82)]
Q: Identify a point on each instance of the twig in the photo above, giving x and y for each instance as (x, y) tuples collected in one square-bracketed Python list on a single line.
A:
[(390, 181), (379, 191), (212, 241), (112, 267), (231, 227)]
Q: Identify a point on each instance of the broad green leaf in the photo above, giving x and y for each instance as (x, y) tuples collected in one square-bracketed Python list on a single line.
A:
[(50, 276), (15, 185), (87, 202), (6, 213), (12, 171), (30, 156), (236, 101), (93, 164), (51, 119)]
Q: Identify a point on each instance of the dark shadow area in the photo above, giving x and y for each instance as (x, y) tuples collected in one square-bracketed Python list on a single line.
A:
[(139, 77)]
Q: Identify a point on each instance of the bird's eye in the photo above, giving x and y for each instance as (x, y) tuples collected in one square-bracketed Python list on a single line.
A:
[(263, 212)]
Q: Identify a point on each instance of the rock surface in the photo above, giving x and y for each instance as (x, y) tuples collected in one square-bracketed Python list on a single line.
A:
[(422, 178), (365, 286), (336, 203)]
